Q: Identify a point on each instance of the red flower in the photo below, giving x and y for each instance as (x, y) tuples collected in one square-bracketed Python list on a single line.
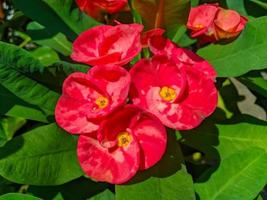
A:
[(106, 44), (94, 7), (87, 98), (128, 141), (179, 94), (212, 23), (159, 45)]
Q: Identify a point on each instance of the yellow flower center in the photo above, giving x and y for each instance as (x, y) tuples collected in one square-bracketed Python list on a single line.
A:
[(102, 102), (199, 26), (124, 139), (167, 93)]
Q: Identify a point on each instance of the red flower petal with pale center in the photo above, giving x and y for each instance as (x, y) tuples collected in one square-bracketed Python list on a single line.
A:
[(129, 140), (87, 98), (182, 102), (106, 44)]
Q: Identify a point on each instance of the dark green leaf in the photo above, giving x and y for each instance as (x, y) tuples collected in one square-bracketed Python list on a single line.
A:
[(42, 156)]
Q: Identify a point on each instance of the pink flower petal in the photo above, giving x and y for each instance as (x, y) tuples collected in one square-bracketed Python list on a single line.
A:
[(106, 44), (152, 138)]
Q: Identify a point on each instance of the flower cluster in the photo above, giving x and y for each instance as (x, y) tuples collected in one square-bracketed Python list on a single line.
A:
[(119, 114), (212, 23)]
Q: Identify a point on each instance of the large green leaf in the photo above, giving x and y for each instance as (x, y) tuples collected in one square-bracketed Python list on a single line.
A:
[(247, 52), (17, 196), (240, 176), (42, 156), (169, 14), (17, 68), (227, 138), (168, 180), (56, 16)]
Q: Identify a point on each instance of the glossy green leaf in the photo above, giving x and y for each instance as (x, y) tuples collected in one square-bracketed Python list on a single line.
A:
[(41, 36), (168, 180), (169, 14), (57, 16), (17, 68), (43, 156), (240, 176), (45, 55), (8, 127), (247, 52), (227, 139), (17, 196)]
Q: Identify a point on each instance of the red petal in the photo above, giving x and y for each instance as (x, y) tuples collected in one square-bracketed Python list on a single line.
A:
[(99, 163), (152, 137), (108, 44), (201, 17), (114, 80)]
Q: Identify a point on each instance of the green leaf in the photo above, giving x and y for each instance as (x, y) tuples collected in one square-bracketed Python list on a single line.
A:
[(169, 14), (237, 5), (8, 127), (240, 176), (17, 68), (45, 55), (17, 196), (14, 107), (227, 138), (43, 156), (57, 16), (247, 52), (105, 195), (168, 180), (41, 36)]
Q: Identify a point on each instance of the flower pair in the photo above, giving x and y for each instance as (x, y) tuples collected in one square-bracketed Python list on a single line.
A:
[(212, 23)]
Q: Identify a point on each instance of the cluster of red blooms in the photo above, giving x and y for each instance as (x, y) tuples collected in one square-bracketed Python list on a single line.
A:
[(119, 114)]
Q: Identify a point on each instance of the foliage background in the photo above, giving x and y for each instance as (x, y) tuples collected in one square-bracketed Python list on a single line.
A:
[(224, 159)]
